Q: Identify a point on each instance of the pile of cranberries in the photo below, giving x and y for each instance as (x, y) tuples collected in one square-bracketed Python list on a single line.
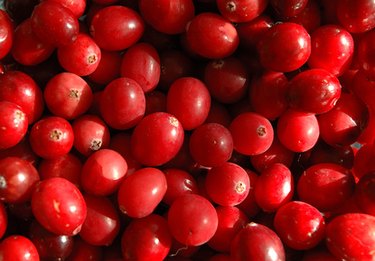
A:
[(182, 130)]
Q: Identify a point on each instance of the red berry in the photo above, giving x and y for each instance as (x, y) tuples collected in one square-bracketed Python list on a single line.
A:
[(356, 16), (6, 34), (192, 220), (141, 192), (364, 193), (18, 247), (59, 206), (240, 11), (284, 47)]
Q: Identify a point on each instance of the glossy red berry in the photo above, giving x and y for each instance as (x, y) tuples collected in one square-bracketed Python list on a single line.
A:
[(3, 220), (157, 139), (211, 144), (366, 53), (170, 17), (126, 25), (76, 6), (252, 133), (18, 247), (208, 29), (141, 192), (122, 103), (284, 47), (13, 124), (326, 186), (81, 57), (314, 90), (288, 8), (141, 63), (59, 206), (189, 100), (192, 220), (298, 131), (102, 172), (332, 49), (257, 242), (227, 184), (351, 236), (299, 225), (67, 95), (54, 24), (146, 238), (239, 11), (102, 223), (274, 187), (51, 137), (18, 178), (108, 68)]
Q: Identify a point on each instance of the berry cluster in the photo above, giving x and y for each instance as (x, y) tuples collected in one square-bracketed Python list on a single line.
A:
[(187, 130)]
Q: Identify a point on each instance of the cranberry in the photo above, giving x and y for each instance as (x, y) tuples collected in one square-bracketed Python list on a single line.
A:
[(141, 192), (299, 225), (103, 172), (179, 182), (227, 79), (357, 16), (18, 247), (241, 11), (49, 245), (102, 223), (192, 220), (6, 34), (250, 32), (90, 134), (252, 133), (19, 88), (351, 236), (146, 238), (157, 139), (309, 17), (284, 47), (51, 137), (67, 166), (274, 187), (230, 221), (67, 95), (211, 144), (268, 94), (298, 131), (207, 30), (227, 184), (18, 178), (249, 205), (13, 124), (326, 186), (170, 17), (141, 63), (364, 193), (59, 206), (122, 103), (81, 57), (126, 25), (332, 49), (188, 99), (83, 251), (54, 24), (257, 242), (314, 90)]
